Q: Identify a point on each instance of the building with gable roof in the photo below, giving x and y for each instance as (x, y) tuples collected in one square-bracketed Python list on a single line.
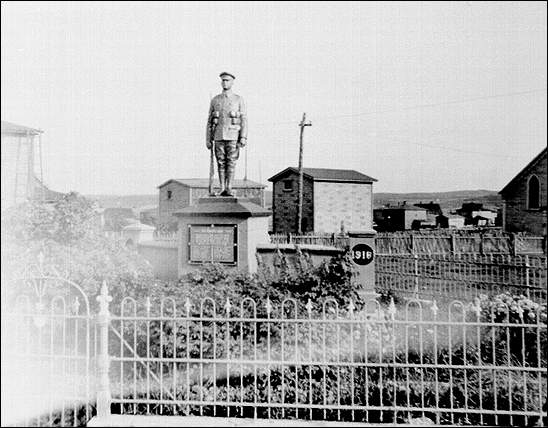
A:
[(178, 193), (524, 197), (333, 200)]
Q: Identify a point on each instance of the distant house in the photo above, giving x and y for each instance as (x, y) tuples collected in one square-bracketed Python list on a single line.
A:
[(431, 208), (467, 209), (179, 193), (401, 217), (489, 216), (333, 199), (450, 221), (524, 208)]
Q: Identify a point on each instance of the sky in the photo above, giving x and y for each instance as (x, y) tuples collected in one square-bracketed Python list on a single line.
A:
[(421, 96)]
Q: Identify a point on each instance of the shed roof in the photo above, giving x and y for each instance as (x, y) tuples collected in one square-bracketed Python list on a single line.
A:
[(9, 128), (327, 174), (536, 159), (203, 183)]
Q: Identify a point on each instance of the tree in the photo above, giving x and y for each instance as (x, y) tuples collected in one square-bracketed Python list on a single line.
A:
[(69, 235)]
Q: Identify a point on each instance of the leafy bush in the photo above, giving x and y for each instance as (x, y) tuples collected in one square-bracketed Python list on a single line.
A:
[(518, 344), (68, 234)]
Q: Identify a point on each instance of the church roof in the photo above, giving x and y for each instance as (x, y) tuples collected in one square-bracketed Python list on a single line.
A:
[(524, 171)]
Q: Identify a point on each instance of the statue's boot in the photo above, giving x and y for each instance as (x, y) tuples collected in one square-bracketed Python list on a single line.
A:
[(229, 179), (222, 183)]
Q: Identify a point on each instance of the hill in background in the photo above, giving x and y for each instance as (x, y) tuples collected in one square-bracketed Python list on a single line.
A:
[(448, 201)]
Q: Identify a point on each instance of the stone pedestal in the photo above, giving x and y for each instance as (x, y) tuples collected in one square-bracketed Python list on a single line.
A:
[(362, 251), (224, 230)]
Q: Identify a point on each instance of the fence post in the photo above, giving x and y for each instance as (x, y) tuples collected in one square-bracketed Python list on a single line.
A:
[(514, 244), (103, 360), (416, 270), (453, 243), (527, 279)]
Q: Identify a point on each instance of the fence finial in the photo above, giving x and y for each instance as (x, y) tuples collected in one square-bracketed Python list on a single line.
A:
[(476, 306), (435, 309), (392, 309), (104, 299), (148, 305), (351, 307), (76, 306), (309, 307)]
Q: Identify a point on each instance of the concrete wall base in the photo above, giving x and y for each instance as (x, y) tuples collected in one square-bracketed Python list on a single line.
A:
[(205, 421)]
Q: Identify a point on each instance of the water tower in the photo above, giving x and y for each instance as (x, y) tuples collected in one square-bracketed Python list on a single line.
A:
[(21, 164)]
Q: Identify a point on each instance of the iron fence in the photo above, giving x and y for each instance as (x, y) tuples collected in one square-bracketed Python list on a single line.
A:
[(339, 241), (461, 275), (459, 243), (165, 235), (464, 363), (47, 354), (439, 243), (480, 361)]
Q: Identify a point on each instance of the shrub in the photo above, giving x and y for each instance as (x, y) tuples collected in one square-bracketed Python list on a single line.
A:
[(68, 235)]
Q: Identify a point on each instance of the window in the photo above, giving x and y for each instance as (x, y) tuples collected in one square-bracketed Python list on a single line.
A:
[(533, 193), (288, 185), (169, 194)]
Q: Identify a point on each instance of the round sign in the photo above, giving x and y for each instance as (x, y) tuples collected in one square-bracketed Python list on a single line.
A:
[(362, 254)]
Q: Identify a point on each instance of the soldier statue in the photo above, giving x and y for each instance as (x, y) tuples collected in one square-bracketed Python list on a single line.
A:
[(226, 132)]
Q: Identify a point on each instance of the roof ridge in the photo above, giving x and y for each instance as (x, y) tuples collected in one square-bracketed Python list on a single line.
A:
[(329, 174)]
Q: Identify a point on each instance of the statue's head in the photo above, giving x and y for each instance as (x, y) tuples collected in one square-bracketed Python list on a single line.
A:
[(227, 80)]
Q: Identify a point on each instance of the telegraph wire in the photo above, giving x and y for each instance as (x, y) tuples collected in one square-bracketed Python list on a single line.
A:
[(397, 140), (413, 107)]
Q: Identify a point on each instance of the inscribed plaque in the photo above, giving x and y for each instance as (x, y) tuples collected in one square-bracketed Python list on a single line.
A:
[(212, 244)]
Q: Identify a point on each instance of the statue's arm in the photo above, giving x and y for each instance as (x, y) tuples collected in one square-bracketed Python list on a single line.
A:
[(243, 122), (208, 125)]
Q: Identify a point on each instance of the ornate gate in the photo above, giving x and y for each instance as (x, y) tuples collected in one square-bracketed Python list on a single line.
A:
[(47, 349)]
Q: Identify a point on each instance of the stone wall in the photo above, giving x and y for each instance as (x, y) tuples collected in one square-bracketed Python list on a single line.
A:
[(285, 204), (347, 203), (518, 217), (180, 198)]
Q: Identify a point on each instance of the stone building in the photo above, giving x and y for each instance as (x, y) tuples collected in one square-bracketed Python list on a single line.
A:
[(333, 199), (524, 208), (176, 194)]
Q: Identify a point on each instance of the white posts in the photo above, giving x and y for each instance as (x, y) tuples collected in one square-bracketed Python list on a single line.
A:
[(103, 360)]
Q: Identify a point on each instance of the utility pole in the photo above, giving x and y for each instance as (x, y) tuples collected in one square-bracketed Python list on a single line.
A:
[(303, 123)]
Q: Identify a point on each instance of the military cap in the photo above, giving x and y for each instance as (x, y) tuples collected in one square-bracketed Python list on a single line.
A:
[(224, 73)]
